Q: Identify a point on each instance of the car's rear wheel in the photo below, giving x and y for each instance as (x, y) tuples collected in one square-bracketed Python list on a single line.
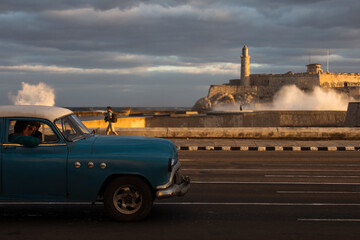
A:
[(128, 198)]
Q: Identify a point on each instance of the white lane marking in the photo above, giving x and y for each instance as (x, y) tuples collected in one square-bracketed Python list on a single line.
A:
[(328, 220), (308, 176), (49, 203), (271, 183), (312, 165), (314, 192), (186, 160), (257, 204), (191, 203), (267, 170)]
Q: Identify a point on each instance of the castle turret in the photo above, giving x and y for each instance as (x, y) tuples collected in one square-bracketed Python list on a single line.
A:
[(245, 67), (314, 68)]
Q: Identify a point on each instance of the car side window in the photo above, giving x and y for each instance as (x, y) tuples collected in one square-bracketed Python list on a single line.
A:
[(40, 129)]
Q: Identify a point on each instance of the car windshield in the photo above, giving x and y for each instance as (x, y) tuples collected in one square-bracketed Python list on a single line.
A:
[(72, 128)]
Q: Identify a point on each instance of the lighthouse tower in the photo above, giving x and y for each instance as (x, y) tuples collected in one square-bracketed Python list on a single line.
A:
[(245, 67)]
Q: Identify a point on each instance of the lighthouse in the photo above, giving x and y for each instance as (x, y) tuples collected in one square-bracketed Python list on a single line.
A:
[(245, 67)]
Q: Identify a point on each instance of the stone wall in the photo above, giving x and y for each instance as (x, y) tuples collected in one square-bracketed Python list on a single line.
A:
[(339, 79), (230, 89), (352, 91), (276, 81), (260, 88), (304, 80), (264, 87), (230, 94)]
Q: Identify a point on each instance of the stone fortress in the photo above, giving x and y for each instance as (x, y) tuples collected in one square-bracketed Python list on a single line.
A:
[(261, 88)]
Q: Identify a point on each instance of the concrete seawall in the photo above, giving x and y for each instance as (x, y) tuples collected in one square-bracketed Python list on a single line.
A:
[(254, 119), (128, 122), (293, 133), (228, 119), (297, 125)]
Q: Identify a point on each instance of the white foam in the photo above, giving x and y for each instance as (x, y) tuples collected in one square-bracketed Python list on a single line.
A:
[(40, 94), (291, 97)]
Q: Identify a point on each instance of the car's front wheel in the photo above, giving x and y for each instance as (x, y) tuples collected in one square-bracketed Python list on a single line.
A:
[(128, 198)]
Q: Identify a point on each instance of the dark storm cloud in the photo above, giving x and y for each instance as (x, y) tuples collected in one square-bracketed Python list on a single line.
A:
[(64, 38), (41, 5), (184, 33)]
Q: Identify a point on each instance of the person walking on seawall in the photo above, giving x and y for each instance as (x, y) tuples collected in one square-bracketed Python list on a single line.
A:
[(108, 118), (22, 134)]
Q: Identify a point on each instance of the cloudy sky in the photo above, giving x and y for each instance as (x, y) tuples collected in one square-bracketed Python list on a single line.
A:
[(165, 53)]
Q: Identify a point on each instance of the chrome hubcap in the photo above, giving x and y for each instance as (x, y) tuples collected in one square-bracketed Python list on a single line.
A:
[(127, 199)]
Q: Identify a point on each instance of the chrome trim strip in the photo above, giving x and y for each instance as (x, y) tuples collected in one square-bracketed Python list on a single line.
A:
[(52, 144), (174, 170), (11, 145)]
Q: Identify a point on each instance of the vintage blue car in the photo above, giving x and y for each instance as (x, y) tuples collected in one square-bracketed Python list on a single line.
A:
[(68, 163)]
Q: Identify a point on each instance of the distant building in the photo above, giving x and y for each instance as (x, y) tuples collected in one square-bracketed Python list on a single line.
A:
[(314, 68), (260, 88)]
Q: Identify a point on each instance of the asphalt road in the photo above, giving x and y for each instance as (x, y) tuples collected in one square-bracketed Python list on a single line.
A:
[(234, 195)]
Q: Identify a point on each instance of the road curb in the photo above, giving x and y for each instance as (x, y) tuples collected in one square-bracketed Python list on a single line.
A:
[(269, 149), (244, 133)]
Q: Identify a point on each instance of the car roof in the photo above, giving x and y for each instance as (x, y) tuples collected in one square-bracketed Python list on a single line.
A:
[(44, 112)]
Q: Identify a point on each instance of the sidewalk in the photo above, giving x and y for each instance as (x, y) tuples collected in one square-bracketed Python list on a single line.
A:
[(265, 145)]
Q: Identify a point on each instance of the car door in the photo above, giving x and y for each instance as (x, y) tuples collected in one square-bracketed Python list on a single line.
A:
[(1, 142), (34, 173)]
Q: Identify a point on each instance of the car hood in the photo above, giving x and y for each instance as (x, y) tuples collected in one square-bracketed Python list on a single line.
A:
[(106, 144)]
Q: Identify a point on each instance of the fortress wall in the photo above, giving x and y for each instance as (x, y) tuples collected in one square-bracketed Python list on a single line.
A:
[(266, 94), (230, 89), (302, 81), (276, 81), (352, 91), (338, 79), (260, 79), (266, 85)]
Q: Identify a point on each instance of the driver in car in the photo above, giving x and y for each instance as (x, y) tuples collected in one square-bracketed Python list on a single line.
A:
[(22, 134)]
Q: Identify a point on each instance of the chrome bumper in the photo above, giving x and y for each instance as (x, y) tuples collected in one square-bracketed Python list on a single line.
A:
[(175, 189), (178, 185)]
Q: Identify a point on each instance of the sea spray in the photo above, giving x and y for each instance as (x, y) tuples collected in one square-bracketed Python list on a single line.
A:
[(40, 94), (292, 98)]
